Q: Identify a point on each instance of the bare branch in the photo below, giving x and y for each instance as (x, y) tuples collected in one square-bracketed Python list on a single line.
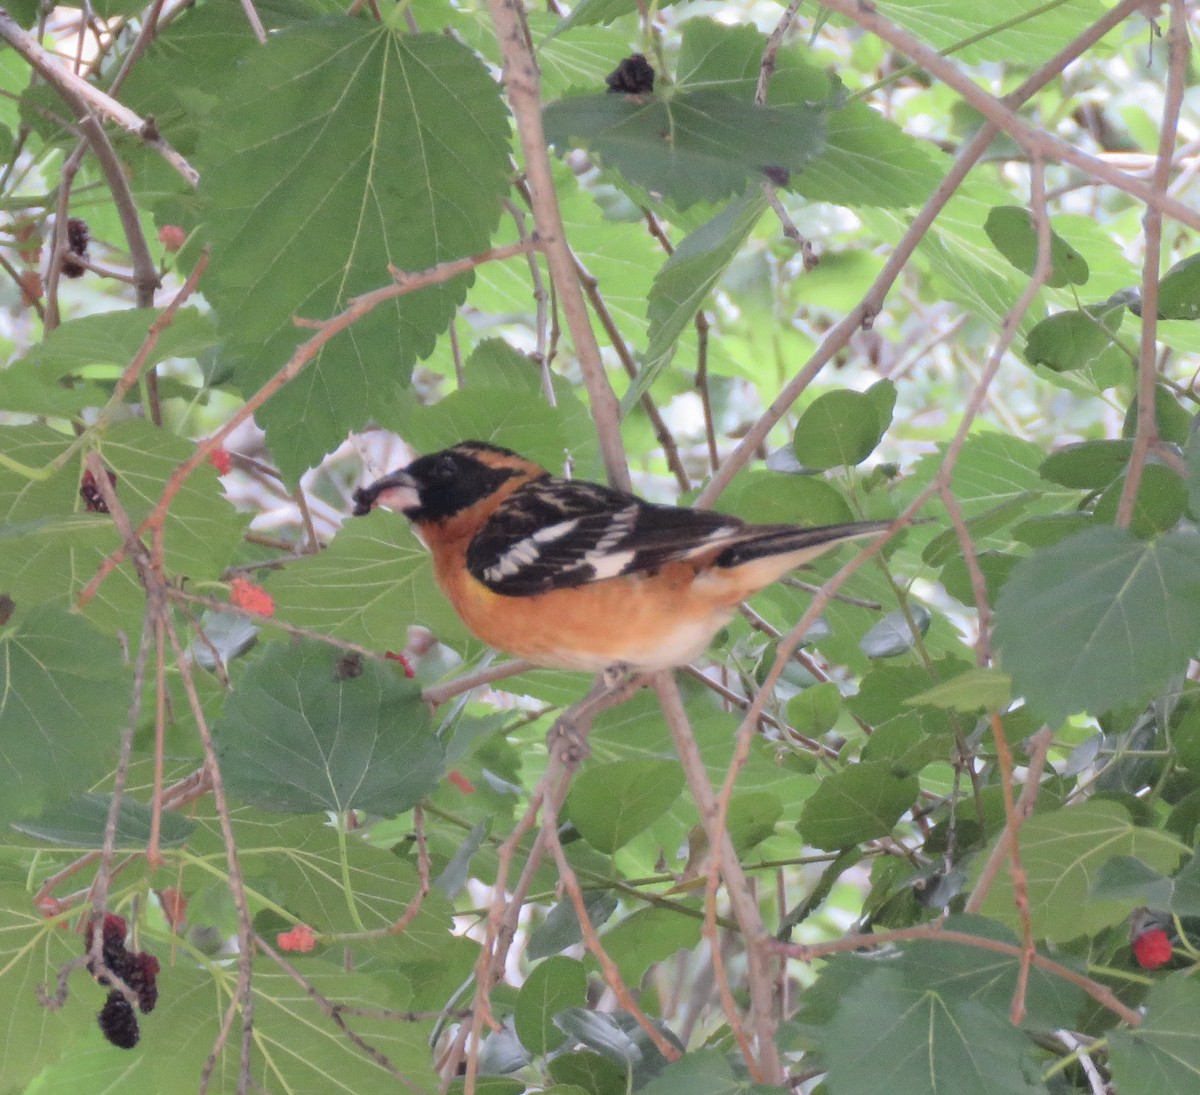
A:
[(523, 83), (86, 99)]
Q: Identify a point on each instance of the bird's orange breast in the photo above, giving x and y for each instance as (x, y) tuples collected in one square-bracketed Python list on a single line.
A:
[(646, 621)]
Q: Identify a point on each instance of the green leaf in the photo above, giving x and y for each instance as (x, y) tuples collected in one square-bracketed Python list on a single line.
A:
[(1162, 1055), (79, 822), (1099, 619), (555, 983), (1191, 455), (867, 160), (945, 546), (685, 280), (1159, 504), (839, 428), (302, 212), (771, 497), (588, 1071), (64, 690), (975, 690), (861, 802), (1126, 879), (33, 384), (1062, 851), (202, 530), (612, 803), (589, 12), (927, 1042), (336, 882), (52, 548), (320, 1059), (114, 338), (999, 31), (815, 710), (996, 567), (1174, 423), (648, 936), (1073, 339), (992, 469), (519, 420), (581, 59), (752, 818), (1011, 229), (883, 395), (618, 1036), (561, 930), (305, 730), (1087, 465), (1179, 290), (702, 1072), (368, 586), (974, 973), (32, 949), (693, 147)]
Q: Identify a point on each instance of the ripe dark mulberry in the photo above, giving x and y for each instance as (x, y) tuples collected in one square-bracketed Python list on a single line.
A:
[(633, 76), (112, 929), (141, 975), (118, 1021), (78, 237), (94, 501)]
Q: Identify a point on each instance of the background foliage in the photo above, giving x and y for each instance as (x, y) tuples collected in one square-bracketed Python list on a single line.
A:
[(901, 827)]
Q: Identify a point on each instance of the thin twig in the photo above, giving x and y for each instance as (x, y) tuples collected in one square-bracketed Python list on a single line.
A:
[(1039, 749), (255, 22), (334, 1012), (745, 908), (1102, 994), (591, 287), (701, 381), (867, 308), (608, 968), (523, 84), (76, 89), (325, 330), (1145, 434), (1037, 143)]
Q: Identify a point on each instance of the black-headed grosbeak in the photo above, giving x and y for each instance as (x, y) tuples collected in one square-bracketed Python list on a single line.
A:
[(575, 575)]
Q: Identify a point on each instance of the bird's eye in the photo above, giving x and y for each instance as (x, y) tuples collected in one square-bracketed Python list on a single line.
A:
[(444, 469)]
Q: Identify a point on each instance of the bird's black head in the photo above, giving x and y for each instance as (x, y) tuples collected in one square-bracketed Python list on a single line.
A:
[(437, 486)]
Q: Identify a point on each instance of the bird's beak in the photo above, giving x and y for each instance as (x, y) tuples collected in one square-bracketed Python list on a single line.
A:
[(397, 491)]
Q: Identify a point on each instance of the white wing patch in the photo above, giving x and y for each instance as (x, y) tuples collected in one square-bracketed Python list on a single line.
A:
[(525, 552), (604, 561), (610, 565), (727, 535)]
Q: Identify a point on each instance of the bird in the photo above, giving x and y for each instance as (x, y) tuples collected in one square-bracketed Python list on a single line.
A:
[(570, 574)]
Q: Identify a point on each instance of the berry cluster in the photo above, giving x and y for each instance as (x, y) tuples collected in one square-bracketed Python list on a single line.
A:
[(138, 971)]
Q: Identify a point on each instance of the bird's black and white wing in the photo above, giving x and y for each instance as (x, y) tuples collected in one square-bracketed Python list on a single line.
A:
[(556, 533)]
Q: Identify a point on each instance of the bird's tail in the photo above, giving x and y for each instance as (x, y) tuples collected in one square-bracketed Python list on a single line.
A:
[(804, 544)]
